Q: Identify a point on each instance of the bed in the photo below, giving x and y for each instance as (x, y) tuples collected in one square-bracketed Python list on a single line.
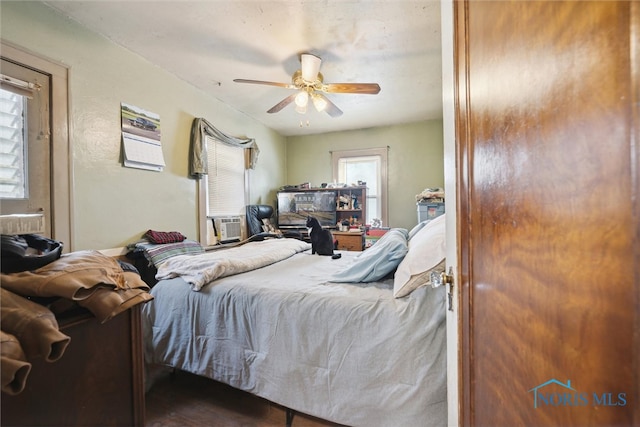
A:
[(292, 331)]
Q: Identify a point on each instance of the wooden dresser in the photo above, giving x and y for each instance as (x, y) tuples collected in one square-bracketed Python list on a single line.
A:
[(99, 381), (348, 240)]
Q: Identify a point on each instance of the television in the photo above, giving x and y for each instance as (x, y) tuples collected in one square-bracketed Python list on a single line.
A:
[(295, 206)]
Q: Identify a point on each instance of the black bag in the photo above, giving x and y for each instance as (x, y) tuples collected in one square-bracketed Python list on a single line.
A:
[(25, 252)]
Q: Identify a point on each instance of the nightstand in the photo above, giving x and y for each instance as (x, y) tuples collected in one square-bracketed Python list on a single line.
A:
[(349, 241), (99, 380)]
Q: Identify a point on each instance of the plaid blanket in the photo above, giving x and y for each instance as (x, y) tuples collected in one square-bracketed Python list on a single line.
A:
[(158, 253)]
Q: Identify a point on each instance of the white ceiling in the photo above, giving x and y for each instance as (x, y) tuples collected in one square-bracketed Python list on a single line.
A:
[(395, 43)]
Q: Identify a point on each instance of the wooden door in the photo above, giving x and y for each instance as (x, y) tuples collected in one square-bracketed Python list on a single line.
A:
[(26, 146), (548, 193)]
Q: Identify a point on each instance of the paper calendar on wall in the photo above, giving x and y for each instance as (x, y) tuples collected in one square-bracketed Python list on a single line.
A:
[(141, 143)]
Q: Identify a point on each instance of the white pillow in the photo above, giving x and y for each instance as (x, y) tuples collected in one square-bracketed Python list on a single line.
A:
[(427, 251), (417, 228)]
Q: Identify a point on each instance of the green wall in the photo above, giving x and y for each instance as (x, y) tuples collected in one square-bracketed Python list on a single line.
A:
[(113, 205), (415, 161)]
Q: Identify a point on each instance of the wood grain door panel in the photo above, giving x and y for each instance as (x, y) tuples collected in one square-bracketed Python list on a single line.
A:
[(548, 236)]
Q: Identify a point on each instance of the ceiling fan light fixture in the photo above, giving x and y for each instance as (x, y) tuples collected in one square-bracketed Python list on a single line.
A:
[(319, 102), (302, 98), (301, 109)]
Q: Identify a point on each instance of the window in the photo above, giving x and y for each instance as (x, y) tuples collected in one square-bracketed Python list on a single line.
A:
[(13, 153), (221, 165), (226, 181), (370, 166)]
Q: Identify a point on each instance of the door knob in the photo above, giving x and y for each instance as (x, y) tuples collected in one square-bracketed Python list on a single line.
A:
[(442, 278)]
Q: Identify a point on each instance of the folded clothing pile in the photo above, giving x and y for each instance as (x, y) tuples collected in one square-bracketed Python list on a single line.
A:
[(435, 194), (160, 237), (87, 279), (155, 247)]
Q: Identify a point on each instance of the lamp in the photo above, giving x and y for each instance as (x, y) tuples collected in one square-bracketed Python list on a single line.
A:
[(302, 99), (319, 102), (301, 109)]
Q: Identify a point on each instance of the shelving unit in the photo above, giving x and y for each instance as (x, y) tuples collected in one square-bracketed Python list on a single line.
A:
[(356, 206)]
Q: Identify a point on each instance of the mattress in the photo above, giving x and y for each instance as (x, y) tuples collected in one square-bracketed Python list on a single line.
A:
[(349, 353)]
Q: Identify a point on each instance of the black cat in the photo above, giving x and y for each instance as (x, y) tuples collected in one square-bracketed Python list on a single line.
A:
[(321, 239)]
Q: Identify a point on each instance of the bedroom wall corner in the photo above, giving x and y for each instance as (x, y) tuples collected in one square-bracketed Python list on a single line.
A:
[(113, 205), (416, 156)]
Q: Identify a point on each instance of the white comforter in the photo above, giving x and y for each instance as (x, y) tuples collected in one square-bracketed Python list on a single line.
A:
[(205, 268)]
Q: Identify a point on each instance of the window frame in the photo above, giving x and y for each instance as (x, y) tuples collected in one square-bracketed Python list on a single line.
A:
[(204, 216), (368, 152)]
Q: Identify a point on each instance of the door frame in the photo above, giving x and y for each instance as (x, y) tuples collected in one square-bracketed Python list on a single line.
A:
[(456, 109), (61, 172), (447, 32), (35, 146)]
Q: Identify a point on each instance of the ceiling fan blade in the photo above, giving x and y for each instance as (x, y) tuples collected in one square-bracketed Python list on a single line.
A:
[(330, 108), (361, 88), (280, 105), (262, 82), (310, 65)]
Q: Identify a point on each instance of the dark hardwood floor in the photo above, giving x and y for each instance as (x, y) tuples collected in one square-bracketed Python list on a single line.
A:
[(186, 400)]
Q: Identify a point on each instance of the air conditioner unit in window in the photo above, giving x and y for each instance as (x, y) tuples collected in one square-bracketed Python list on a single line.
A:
[(229, 229)]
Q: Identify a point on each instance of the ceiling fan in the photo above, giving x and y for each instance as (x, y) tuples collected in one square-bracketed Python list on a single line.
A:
[(308, 83)]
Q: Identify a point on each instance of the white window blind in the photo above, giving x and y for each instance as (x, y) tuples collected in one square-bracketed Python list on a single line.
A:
[(12, 146), (226, 179)]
